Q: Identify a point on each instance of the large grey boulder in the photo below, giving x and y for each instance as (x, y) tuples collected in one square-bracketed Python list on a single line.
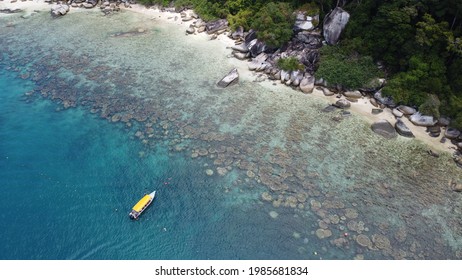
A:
[(230, 79), (307, 84), (402, 129), (215, 26), (422, 120), (59, 9), (384, 128), (334, 23)]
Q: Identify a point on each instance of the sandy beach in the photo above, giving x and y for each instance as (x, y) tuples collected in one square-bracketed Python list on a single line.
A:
[(363, 107)]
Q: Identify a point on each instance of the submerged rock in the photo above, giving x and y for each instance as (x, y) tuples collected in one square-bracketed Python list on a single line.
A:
[(334, 23), (402, 129), (376, 111), (384, 128), (363, 240), (10, 11), (230, 79)]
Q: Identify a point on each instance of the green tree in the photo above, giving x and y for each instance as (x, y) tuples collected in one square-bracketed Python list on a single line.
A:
[(274, 22)]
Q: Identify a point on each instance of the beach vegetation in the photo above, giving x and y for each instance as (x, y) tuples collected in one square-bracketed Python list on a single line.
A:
[(349, 70), (274, 23), (289, 64)]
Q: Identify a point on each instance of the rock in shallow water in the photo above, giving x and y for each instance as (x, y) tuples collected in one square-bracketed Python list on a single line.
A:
[(384, 128), (230, 79)]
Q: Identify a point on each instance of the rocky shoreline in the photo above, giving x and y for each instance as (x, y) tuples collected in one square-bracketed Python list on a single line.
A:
[(396, 119)]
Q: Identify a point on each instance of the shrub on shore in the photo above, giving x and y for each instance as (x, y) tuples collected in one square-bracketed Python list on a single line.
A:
[(347, 69), (289, 64)]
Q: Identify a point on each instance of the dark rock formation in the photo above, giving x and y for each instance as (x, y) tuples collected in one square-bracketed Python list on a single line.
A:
[(252, 35), (230, 79), (256, 47)]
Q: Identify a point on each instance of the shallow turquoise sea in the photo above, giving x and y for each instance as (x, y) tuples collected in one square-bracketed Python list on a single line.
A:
[(90, 121)]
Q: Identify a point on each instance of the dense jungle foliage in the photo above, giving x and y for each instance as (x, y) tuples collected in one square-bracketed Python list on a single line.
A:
[(419, 43)]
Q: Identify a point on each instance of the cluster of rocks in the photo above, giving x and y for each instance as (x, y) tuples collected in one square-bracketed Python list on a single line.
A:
[(434, 127), (60, 8), (213, 28)]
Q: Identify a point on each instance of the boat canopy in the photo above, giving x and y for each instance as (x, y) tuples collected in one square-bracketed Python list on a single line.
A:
[(139, 206)]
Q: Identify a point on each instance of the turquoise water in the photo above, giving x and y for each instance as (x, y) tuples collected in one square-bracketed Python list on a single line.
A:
[(89, 122)]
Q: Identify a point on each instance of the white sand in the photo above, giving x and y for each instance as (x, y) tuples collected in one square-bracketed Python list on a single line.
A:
[(363, 107), (27, 6)]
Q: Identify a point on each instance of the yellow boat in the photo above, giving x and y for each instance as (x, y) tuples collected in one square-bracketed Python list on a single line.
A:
[(142, 205)]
